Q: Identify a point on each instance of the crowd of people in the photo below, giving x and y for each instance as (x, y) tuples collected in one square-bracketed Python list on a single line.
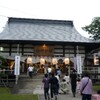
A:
[(51, 81), (55, 83), (79, 84)]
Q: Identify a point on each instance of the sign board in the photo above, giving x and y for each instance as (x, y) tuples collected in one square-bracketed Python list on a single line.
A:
[(17, 65), (44, 50), (79, 64)]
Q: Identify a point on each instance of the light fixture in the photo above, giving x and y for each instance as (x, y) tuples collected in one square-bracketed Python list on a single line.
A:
[(66, 61), (96, 59), (29, 60), (42, 61), (1, 48), (44, 46), (54, 61)]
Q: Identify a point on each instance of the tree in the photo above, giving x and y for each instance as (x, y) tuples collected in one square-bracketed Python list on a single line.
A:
[(3, 62), (93, 29)]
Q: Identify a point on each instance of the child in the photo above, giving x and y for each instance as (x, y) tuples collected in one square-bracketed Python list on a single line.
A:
[(96, 96)]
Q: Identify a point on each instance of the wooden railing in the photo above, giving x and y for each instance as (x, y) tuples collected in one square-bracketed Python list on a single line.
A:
[(7, 78)]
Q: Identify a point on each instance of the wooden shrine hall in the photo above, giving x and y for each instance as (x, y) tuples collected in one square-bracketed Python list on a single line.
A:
[(44, 38)]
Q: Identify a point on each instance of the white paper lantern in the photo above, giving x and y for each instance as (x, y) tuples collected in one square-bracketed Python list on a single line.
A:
[(66, 61), (1, 48), (96, 59), (29, 60), (54, 61), (42, 61)]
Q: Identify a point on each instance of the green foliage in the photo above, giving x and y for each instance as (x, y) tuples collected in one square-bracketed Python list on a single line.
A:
[(96, 87), (93, 29), (3, 62), (18, 97), (3, 75), (4, 90), (6, 95)]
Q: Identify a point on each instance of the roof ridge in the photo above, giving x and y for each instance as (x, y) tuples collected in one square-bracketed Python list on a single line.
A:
[(49, 21)]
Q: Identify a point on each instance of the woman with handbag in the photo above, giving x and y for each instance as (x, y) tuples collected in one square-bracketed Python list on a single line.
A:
[(86, 87)]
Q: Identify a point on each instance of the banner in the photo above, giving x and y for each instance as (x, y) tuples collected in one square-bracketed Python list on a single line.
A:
[(17, 65), (79, 64)]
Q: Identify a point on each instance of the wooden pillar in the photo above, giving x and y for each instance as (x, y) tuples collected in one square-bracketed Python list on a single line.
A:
[(10, 49), (22, 49), (63, 51), (75, 51)]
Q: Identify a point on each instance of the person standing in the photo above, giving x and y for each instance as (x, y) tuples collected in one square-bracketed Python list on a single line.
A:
[(35, 70), (30, 70), (49, 71), (46, 87), (53, 86), (73, 77), (59, 72), (45, 67), (86, 87), (58, 86)]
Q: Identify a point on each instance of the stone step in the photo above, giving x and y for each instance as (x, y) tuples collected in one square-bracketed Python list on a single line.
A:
[(28, 85)]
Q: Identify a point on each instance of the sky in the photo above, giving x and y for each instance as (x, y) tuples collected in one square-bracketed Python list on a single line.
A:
[(81, 12)]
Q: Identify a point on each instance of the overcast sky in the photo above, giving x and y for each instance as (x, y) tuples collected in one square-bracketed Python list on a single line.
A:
[(80, 11)]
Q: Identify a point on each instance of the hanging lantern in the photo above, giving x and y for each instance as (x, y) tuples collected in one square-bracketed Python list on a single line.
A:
[(1, 48), (66, 61), (54, 61), (96, 59), (29, 60), (42, 61)]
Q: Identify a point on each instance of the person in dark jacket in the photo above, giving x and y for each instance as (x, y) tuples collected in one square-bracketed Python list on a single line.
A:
[(53, 86), (73, 77), (46, 87)]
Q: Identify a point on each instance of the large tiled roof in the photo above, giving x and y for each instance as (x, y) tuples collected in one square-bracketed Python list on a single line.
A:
[(42, 30)]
